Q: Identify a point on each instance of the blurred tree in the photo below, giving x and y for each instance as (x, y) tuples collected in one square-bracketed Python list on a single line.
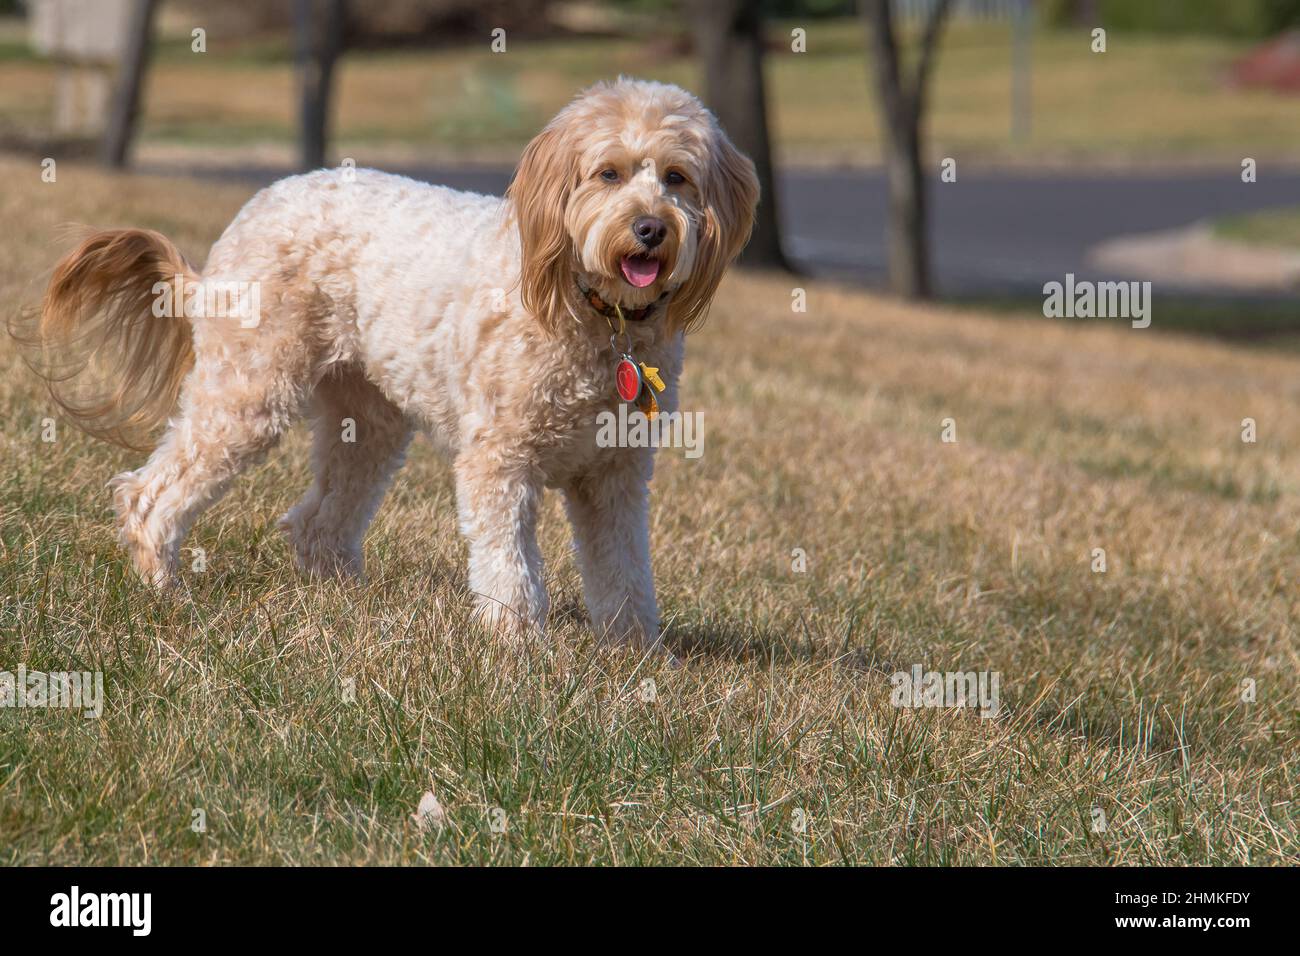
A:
[(1083, 13), (318, 25), (730, 42), (381, 24), (811, 8), (901, 101), (124, 109)]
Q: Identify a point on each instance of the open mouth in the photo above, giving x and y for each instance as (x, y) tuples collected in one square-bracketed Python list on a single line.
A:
[(640, 271)]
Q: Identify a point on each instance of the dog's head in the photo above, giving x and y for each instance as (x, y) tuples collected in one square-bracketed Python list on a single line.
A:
[(636, 191)]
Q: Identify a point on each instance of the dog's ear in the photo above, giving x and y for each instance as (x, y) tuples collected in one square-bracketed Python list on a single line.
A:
[(730, 196), (539, 192)]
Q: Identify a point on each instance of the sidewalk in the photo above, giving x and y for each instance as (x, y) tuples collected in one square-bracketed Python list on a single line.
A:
[(1194, 255)]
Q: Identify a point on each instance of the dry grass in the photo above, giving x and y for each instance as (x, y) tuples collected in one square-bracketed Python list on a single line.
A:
[(1120, 691)]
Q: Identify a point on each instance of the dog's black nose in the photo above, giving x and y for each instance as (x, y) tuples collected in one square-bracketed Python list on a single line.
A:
[(650, 231)]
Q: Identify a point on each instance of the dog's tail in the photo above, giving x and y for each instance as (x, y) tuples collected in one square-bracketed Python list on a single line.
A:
[(111, 339)]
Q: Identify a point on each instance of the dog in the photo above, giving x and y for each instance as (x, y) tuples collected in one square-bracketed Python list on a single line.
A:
[(501, 327)]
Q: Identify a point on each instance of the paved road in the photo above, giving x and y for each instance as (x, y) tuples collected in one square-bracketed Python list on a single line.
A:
[(1012, 231), (994, 233)]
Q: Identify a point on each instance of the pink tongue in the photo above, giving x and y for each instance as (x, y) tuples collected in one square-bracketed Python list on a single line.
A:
[(639, 270)]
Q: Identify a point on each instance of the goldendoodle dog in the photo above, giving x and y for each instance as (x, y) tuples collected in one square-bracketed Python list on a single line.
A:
[(378, 304)]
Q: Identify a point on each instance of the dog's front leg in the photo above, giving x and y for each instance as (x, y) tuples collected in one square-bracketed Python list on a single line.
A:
[(609, 511), (497, 501)]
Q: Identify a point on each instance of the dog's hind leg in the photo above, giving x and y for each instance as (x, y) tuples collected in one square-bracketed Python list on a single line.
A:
[(359, 441), (227, 420)]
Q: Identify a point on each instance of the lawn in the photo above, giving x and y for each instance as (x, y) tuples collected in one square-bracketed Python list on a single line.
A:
[(1272, 227), (306, 721), (1147, 98)]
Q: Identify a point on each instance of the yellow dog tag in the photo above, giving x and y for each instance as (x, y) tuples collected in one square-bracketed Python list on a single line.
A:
[(651, 375), (646, 402)]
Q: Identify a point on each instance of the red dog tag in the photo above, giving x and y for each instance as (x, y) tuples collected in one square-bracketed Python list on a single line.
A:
[(627, 379)]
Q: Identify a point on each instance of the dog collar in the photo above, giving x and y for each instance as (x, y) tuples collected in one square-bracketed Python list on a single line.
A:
[(633, 381), (612, 312)]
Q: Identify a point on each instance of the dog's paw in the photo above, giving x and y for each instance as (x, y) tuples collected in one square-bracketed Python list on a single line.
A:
[(625, 628), (318, 555), (154, 565), (508, 620), (328, 561), (152, 560)]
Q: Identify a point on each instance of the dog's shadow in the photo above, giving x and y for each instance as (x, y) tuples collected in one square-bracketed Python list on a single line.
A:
[(708, 638), (721, 638)]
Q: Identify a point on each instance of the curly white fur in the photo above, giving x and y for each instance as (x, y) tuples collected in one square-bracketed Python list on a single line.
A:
[(401, 305)]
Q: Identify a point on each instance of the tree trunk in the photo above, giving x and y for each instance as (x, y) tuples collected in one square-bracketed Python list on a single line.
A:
[(729, 34), (902, 110), (1084, 13), (318, 25), (125, 107), (909, 250)]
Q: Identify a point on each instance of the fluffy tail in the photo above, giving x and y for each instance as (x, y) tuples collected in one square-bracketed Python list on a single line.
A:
[(111, 339)]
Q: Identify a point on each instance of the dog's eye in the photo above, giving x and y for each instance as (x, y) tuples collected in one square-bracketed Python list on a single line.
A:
[(674, 178), (609, 175)]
